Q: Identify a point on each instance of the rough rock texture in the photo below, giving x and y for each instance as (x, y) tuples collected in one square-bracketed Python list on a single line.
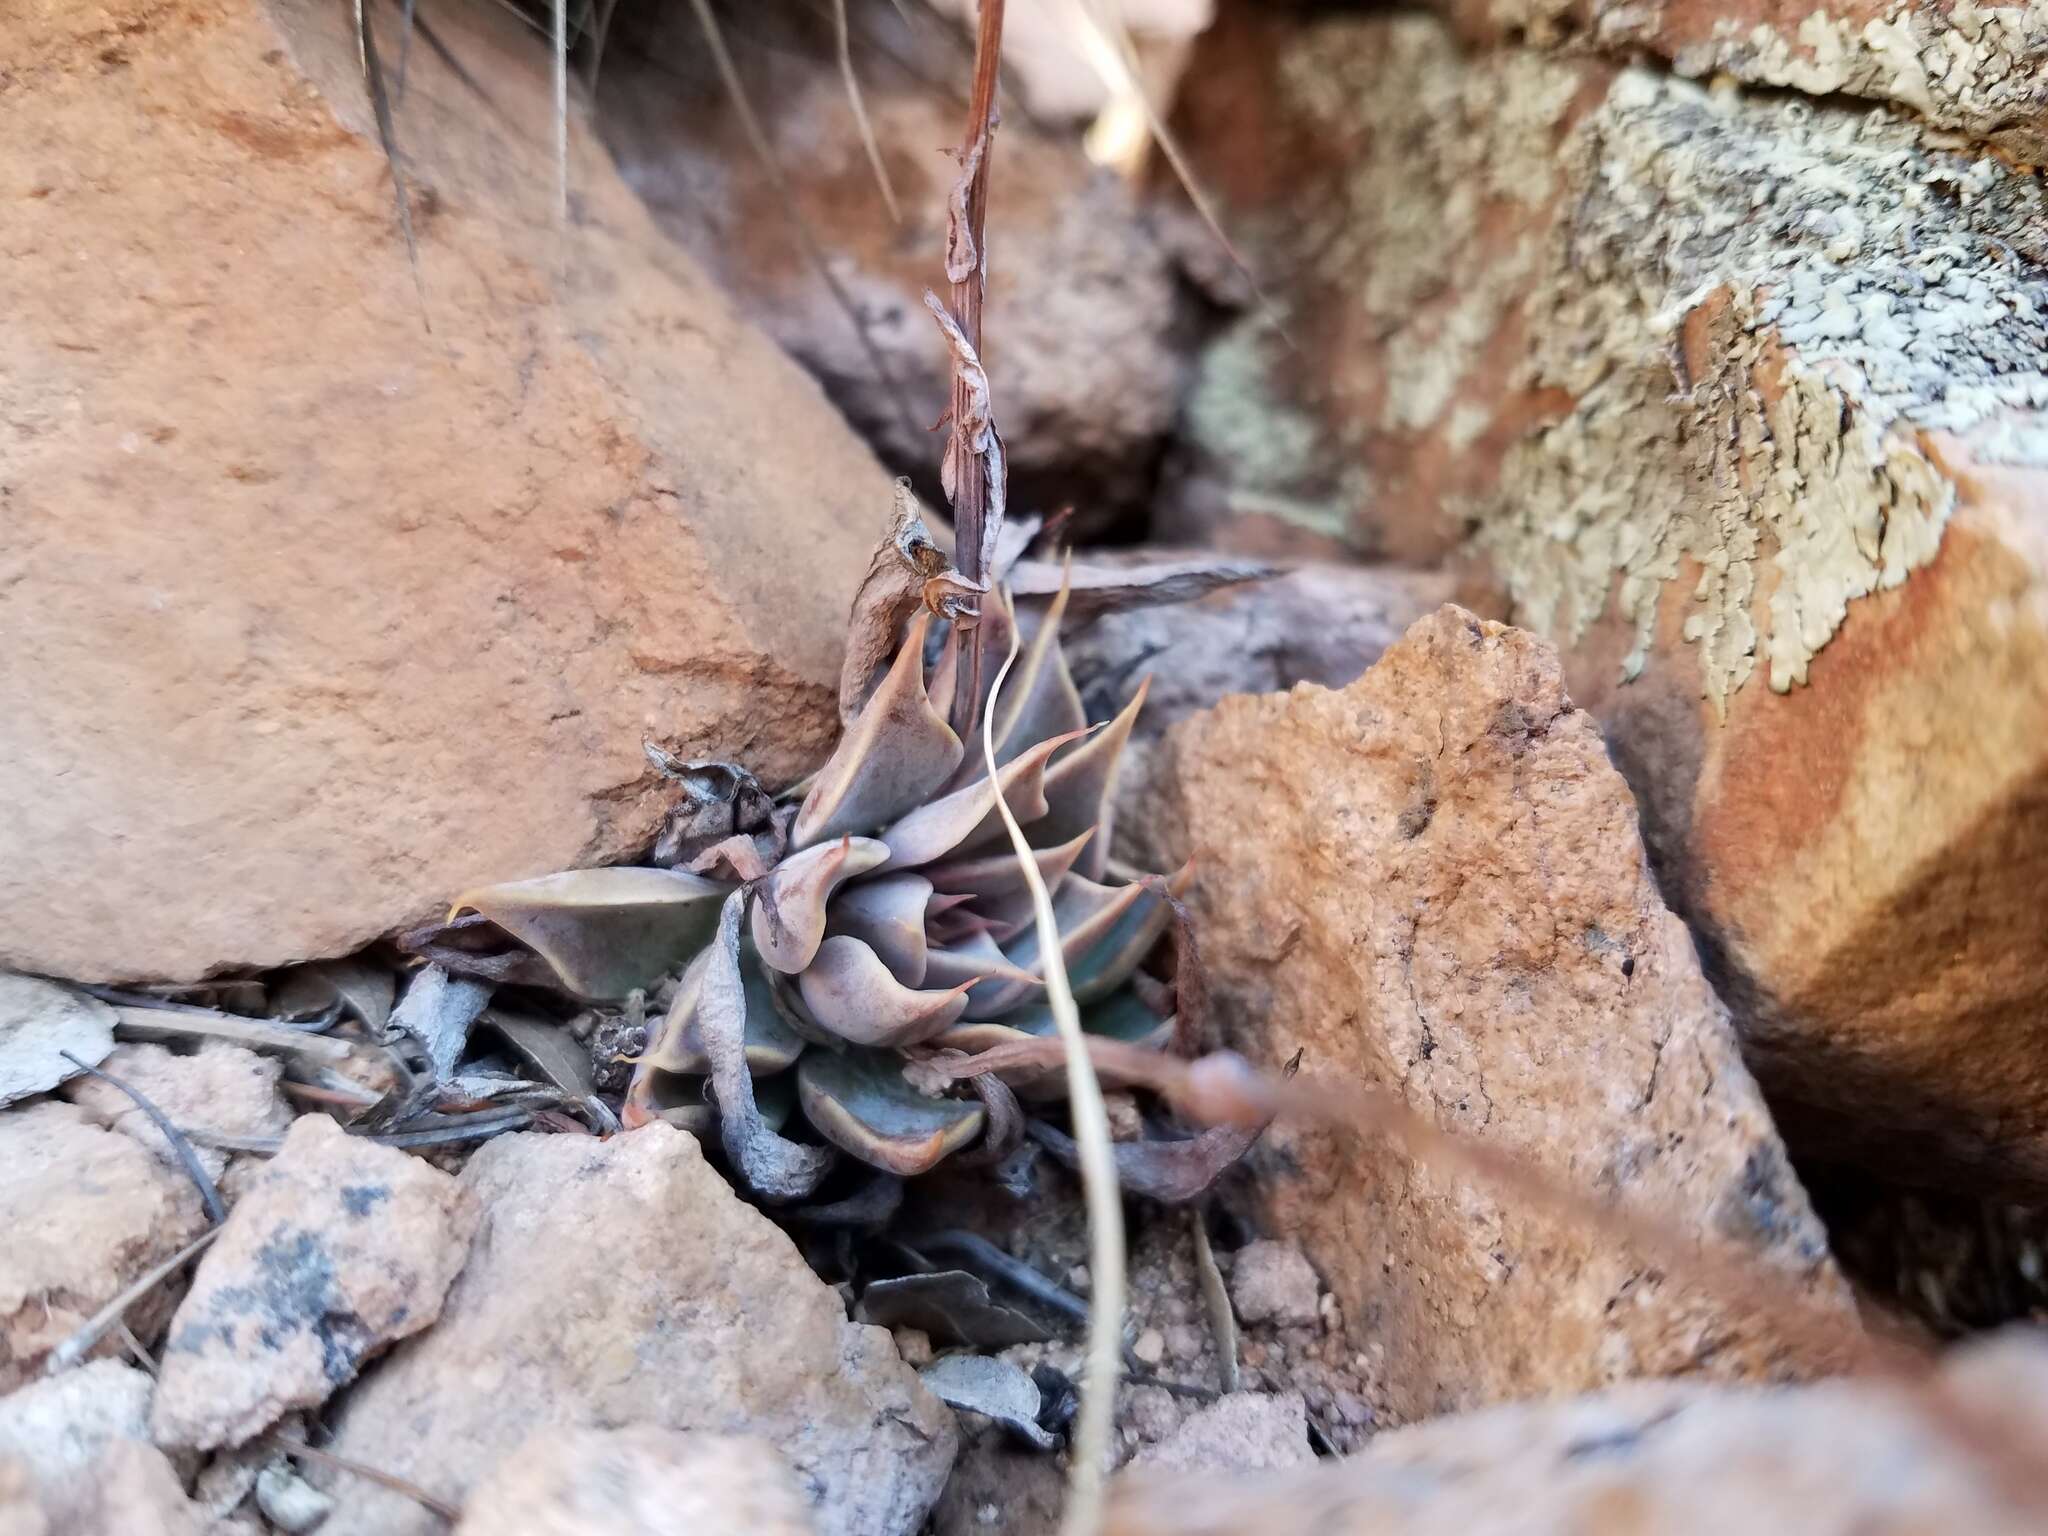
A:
[(411, 599), (1743, 397), (1083, 319), (1980, 69), (133, 1487), (59, 1427), (700, 1315), (1844, 1458), (1274, 1283), (340, 1249), (1447, 897), (41, 1023), (1243, 1432), (85, 1212), (220, 1087), (1314, 624), (651, 1481)]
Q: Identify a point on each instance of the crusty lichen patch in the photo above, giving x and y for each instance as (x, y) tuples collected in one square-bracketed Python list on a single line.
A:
[(1981, 70), (1874, 286)]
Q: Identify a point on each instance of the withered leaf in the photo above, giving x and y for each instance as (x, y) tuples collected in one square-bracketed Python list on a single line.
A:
[(721, 812), (437, 1012), (1173, 1172), (993, 1387), (890, 592), (776, 1169), (951, 1306), (1104, 588), (546, 1047), (473, 945)]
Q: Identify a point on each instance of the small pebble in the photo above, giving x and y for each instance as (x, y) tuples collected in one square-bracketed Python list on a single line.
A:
[(915, 1346), (1150, 1346), (1125, 1122), (1078, 1278), (1184, 1342)]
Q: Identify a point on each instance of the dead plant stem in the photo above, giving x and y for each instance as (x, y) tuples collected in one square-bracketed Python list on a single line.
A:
[(970, 491)]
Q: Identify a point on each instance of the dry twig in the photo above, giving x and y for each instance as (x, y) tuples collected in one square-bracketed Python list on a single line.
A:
[(975, 526), (96, 1327), (216, 1211)]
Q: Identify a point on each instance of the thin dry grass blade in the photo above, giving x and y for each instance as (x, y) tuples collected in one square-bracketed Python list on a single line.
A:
[(387, 136), (860, 112), (1104, 1359)]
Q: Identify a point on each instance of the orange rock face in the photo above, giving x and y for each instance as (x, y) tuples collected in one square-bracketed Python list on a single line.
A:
[(1432, 881), (1742, 398), (314, 615)]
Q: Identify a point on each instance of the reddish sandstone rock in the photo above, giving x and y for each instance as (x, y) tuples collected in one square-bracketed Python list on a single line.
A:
[(315, 615), (1842, 1458), (1742, 398), (1432, 881)]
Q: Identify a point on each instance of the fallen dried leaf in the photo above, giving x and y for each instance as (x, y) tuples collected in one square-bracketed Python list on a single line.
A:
[(952, 1306), (994, 1388)]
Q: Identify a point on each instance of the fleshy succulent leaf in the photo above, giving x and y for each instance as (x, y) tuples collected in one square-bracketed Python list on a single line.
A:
[(1105, 930), (1123, 1017), (966, 818), (1039, 700), (998, 875), (1078, 789), (772, 1044), (850, 992), (789, 908), (888, 914), (976, 958), (773, 1167), (605, 932), (859, 1101), (898, 750)]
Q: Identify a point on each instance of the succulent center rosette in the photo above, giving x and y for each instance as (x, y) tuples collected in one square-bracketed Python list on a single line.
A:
[(881, 923)]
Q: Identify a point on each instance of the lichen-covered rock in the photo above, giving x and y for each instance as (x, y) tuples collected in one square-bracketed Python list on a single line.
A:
[(415, 569), (339, 1249), (220, 1087), (623, 1282), (1084, 321), (1842, 1458), (1745, 400), (57, 1428), (1447, 897), (644, 1479), (85, 1211), (1979, 69)]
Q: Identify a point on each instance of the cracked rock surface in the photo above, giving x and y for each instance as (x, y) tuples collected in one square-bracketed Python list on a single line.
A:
[(1448, 898), (337, 1250), (701, 1316), (409, 601)]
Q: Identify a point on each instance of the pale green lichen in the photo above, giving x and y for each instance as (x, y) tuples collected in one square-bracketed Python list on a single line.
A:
[(1894, 289), (1277, 454)]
